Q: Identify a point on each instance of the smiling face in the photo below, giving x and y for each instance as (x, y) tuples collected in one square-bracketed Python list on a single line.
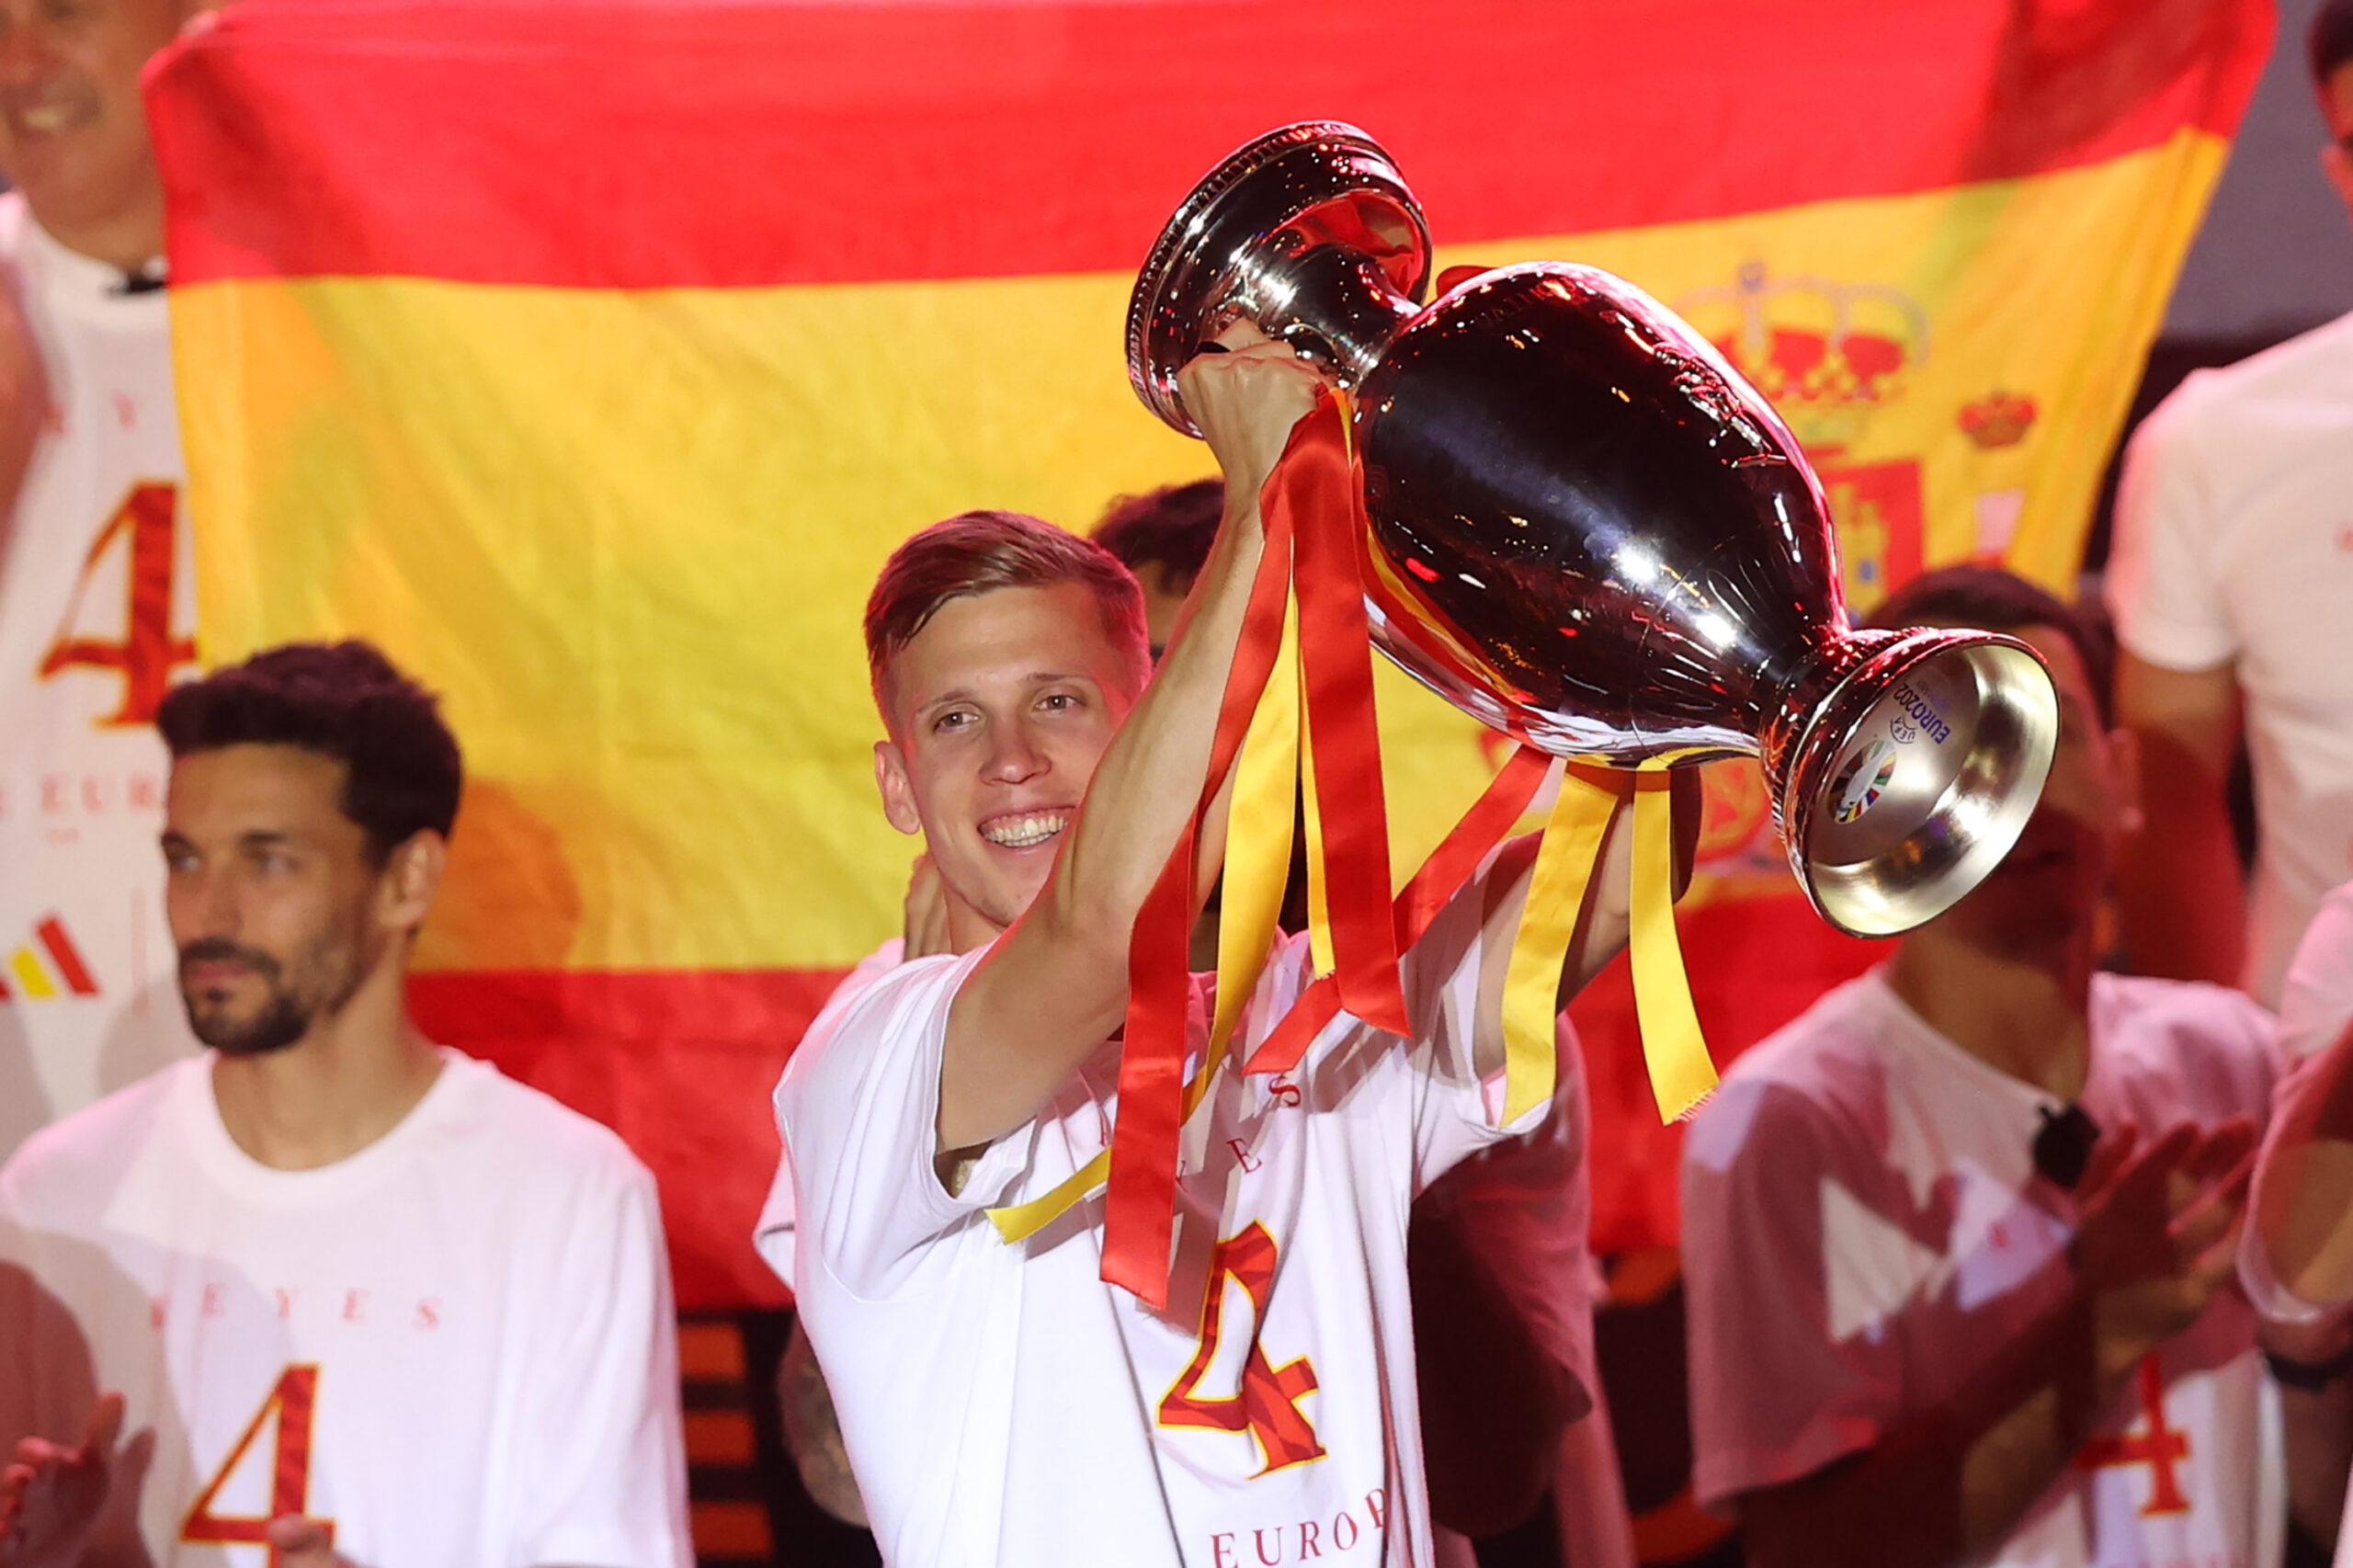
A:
[(999, 709), (72, 131), (2048, 888), (271, 895)]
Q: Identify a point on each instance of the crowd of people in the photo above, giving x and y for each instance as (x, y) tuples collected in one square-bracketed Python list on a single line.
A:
[(2032, 1245)]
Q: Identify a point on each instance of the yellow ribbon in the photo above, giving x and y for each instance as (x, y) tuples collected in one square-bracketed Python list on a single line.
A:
[(1259, 816), (1673, 1047), (1565, 862)]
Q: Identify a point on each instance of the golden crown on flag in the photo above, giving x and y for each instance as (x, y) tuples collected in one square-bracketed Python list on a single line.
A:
[(1810, 342)]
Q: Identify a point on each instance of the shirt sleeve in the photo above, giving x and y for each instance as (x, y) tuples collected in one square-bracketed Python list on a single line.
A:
[(600, 1432), (1779, 1389), (858, 1109), (2161, 584), (2317, 1000), (1524, 1206), (777, 1230), (1456, 1112)]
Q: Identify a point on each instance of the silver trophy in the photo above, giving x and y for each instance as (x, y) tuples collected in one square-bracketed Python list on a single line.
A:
[(1588, 531)]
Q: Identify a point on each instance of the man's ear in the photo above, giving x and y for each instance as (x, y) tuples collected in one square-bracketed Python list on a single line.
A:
[(898, 794), (2337, 165), (2124, 762), (411, 878)]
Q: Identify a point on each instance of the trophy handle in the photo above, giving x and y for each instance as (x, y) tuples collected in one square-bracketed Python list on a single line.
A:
[(1309, 231)]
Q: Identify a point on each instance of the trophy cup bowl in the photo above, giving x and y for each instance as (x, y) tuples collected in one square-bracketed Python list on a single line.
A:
[(1588, 531)]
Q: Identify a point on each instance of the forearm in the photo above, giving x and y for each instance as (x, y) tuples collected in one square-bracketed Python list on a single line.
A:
[(2303, 1192), (2316, 1426), (1153, 776), (814, 1433), (2180, 891), (1589, 1497), (1947, 1482)]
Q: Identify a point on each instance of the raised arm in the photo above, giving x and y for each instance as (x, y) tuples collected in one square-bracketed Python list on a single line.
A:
[(1055, 985)]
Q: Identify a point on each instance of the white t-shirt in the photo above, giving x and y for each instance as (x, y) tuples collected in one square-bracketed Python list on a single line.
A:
[(98, 611), (1864, 1229), (2235, 543), (1002, 1405), (458, 1345)]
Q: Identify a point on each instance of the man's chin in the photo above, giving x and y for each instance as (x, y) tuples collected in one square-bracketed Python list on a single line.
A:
[(264, 1035)]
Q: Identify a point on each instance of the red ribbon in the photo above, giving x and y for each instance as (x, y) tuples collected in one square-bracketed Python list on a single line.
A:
[(1441, 876), (1313, 499), (1325, 492), (1140, 1207)]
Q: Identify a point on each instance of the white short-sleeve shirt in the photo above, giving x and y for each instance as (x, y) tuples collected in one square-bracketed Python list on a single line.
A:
[(457, 1344), (1864, 1229), (2234, 545), (98, 612), (1000, 1404)]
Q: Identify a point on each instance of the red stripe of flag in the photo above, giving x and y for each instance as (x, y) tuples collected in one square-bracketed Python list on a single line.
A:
[(77, 976), (681, 1064), (637, 143)]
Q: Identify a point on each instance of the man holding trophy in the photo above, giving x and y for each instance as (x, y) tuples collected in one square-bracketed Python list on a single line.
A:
[(1582, 527)]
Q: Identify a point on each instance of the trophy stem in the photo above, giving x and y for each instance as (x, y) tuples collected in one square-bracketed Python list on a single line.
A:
[(1334, 305)]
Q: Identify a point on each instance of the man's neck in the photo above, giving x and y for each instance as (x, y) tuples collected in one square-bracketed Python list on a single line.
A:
[(127, 240), (2023, 1014), (340, 1088), (968, 928)]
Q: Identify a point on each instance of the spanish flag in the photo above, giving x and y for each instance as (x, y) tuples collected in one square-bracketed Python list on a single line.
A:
[(591, 356)]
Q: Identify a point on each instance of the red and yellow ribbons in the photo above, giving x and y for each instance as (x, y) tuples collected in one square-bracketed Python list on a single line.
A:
[(1298, 716)]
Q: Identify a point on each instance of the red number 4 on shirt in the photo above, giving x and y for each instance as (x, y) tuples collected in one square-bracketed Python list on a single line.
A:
[(1266, 1407), (291, 1401), (144, 526)]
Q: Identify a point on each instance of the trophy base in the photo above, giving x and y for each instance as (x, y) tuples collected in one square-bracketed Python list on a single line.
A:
[(1915, 775)]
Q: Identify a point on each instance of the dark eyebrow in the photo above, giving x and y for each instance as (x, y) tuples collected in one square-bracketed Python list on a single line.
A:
[(965, 694), (264, 838)]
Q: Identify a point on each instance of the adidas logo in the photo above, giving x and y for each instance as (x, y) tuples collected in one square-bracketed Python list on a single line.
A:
[(49, 966)]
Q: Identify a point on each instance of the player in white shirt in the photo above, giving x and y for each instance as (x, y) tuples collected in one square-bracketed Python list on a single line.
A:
[(1000, 1402), (97, 609), (1504, 1284), (1931, 1322), (359, 1299), (2230, 578)]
